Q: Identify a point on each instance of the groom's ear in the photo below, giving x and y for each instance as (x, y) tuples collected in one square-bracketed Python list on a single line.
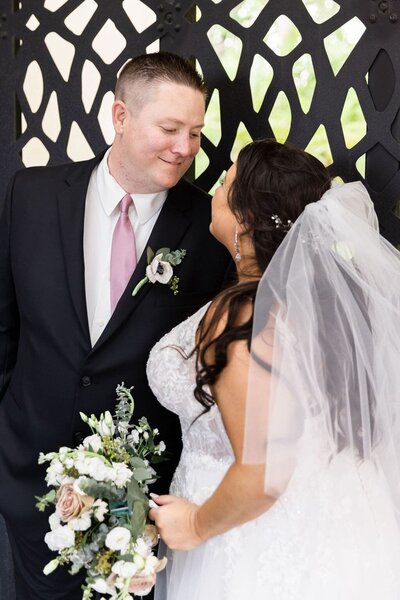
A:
[(119, 113)]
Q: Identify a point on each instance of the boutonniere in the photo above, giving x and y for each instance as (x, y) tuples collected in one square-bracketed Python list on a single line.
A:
[(160, 268)]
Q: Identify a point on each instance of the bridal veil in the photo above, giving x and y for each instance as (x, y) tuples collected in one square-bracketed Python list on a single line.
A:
[(325, 355)]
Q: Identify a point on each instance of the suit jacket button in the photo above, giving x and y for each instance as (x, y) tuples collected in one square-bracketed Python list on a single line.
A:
[(86, 381), (78, 437)]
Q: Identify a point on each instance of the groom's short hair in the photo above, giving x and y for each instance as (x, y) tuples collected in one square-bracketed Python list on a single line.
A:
[(148, 70)]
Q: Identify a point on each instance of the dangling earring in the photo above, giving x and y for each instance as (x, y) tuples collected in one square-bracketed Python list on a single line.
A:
[(238, 256)]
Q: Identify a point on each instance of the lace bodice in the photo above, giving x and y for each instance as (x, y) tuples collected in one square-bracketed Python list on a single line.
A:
[(207, 451)]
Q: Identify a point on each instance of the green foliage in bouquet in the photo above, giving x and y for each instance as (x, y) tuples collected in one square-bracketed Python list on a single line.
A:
[(100, 492)]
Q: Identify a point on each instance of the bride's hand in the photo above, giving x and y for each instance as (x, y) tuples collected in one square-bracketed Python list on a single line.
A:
[(176, 521)]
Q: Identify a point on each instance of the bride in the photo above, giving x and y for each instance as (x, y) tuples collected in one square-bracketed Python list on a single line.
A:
[(286, 386)]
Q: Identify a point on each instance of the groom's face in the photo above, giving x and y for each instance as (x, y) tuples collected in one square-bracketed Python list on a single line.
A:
[(159, 138)]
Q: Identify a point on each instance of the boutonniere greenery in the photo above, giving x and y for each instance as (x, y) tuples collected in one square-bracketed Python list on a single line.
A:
[(160, 267)]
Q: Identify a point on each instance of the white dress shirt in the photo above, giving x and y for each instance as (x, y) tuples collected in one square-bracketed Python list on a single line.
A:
[(101, 214)]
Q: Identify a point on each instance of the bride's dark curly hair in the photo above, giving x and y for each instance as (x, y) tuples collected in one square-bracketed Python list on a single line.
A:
[(271, 179)]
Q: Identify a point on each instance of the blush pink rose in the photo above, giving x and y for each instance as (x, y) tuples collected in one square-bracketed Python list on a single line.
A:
[(70, 504), (142, 585)]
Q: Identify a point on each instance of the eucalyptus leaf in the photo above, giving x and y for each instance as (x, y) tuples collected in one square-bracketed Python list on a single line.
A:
[(134, 493), (150, 255), (138, 519), (137, 462), (163, 251), (126, 557), (142, 474), (98, 489)]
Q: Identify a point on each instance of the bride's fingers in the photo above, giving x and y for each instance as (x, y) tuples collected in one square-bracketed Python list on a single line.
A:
[(161, 500)]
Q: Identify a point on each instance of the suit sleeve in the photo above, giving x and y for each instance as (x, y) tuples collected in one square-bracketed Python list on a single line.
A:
[(9, 319)]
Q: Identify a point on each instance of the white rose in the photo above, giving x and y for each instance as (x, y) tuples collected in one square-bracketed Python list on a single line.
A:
[(118, 539), (60, 538), (121, 474), (124, 569), (94, 441), (159, 270)]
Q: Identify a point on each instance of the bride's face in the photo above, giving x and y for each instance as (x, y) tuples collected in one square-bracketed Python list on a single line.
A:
[(223, 221)]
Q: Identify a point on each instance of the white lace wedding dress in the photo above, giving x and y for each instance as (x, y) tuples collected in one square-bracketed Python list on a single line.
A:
[(331, 536)]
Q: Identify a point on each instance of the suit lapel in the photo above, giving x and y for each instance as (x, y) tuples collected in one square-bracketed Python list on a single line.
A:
[(71, 210), (167, 232)]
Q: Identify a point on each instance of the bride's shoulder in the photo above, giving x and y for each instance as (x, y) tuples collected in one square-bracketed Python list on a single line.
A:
[(224, 314)]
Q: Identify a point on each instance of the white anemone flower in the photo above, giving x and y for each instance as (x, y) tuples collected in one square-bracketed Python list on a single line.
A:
[(159, 270)]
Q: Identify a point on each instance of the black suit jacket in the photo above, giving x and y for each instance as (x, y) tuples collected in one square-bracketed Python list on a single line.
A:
[(48, 370)]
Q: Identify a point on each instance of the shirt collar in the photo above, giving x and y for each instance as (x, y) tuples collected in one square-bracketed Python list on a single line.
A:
[(146, 205)]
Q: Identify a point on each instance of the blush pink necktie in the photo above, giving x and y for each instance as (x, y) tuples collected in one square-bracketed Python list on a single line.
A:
[(123, 253)]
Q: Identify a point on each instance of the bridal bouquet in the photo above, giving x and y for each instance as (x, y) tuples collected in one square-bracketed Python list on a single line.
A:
[(100, 494)]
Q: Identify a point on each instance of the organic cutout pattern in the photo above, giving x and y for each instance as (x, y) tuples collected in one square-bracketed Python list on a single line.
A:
[(321, 11), (51, 123), (283, 36), (304, 80), (346, 38), (140, 15), (248, 11), (352, 120), (33, 86), (261, 74), (228, 48), (280, 117), (319, 146), (109, 42)]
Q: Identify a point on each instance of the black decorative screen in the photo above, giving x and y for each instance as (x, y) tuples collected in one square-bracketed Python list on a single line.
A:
[(323, 74)]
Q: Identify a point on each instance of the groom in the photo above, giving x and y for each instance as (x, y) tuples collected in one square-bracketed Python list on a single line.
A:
[(70, 329)]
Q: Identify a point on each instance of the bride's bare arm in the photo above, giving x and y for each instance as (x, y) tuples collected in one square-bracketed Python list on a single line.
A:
[(240, 497)]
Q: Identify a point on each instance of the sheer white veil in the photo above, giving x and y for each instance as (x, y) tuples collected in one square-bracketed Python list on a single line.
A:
[(326, 344)]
